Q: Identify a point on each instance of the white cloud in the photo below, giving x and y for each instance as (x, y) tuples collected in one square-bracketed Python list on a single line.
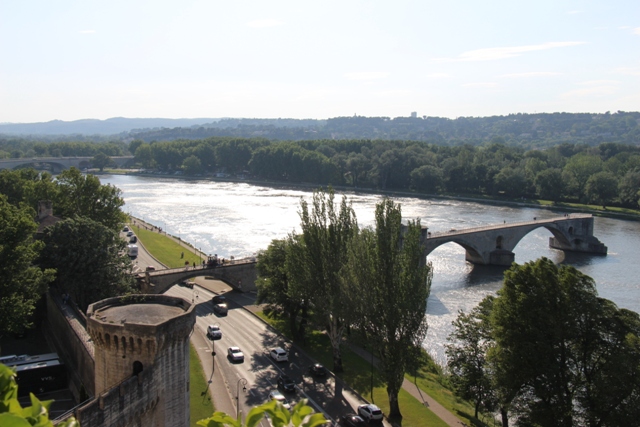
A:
[(438, 76), (485, 85), (87, 31), (495, 53), (574, 12), (367, 75), (593, 88), (628, 71), (636, 31), (264, 23), (531, 74), (598, 82)]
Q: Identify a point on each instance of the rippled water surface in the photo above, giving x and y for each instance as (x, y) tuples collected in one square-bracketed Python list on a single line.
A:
[(240, 219)]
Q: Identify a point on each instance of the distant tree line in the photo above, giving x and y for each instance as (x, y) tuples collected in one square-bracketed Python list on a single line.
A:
[(607, 174), (525, 130)]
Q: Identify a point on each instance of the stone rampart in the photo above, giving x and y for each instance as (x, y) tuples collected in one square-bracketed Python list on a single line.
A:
[(73, 344)]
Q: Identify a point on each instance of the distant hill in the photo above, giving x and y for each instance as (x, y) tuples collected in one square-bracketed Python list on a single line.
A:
[(113, 126)]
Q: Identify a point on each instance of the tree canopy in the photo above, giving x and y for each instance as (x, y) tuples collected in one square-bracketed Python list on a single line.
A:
[(90, 260), (23, 282)]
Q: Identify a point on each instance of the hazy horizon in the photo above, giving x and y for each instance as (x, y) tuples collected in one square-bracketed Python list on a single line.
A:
[(73, 60)]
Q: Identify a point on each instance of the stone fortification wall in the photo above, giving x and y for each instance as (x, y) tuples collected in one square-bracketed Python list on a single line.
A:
[(72, 342), (136, 401)]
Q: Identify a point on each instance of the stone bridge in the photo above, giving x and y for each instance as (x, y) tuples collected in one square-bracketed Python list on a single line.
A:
[(57, 164), (494, 244), (239, 274)]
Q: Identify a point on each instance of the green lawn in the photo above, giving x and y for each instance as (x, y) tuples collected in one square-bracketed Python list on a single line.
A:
[(199, 397), (164, 249)]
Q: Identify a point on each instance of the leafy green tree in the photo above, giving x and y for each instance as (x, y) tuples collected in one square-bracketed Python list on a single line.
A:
[(549, 184), (302, 415), (581, 167), (12, 414), (22, 283), (629, 189), (83, 195), (427, 178), (144, 156), (602, 188), (390, 282), (192, 165), (326, 232), (27, 186), (470, 341), (274, 282), (90, 260), (554, 352), (101, 161), (133, 145)]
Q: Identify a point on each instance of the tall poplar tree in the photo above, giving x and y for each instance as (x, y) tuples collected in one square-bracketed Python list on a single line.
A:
[(389, 282), (326, 232)]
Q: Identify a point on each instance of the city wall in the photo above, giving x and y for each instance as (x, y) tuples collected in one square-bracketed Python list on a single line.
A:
[(71, 341)]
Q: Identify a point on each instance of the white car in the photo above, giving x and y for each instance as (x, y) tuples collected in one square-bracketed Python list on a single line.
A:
[(276, 395), (370, 412), (214, 332), (279, 354), (235, 354)]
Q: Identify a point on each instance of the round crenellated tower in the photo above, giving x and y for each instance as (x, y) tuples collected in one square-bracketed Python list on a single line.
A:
[(146, 336)]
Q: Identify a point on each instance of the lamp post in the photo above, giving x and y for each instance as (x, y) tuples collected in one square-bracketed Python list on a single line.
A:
[(244, 389)]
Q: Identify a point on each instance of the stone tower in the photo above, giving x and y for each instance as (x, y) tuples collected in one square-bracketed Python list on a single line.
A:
[(142, 359)]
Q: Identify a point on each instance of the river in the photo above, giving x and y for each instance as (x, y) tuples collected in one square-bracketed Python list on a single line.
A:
[(239, 219)]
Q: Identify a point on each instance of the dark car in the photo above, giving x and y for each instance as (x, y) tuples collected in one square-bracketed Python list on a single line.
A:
[(286, 383), (219, 299), (317, 370), (352, 420)]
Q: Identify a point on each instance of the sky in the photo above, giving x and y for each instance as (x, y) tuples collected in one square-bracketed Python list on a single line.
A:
[(70, 60)]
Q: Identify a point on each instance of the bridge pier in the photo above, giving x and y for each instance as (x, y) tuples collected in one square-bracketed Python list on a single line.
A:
[(589, 245)]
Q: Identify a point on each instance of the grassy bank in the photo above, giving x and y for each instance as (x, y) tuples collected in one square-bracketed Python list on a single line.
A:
[(167, 250), (200, 401), (361, 375)]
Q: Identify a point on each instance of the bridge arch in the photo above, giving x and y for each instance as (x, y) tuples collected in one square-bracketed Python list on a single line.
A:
[(494, 244)]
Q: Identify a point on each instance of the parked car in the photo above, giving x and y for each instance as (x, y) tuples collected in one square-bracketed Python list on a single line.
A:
[(235, 354), (221, 309), (133, 239), (214, 332), (151, 268), (352, 420), (279, 354), (370, 412), (318, 370), (125, 229), (286, 383), (276, 395), (129, 233)]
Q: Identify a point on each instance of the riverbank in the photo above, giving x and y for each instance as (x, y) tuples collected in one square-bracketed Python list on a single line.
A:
[(610, 212)]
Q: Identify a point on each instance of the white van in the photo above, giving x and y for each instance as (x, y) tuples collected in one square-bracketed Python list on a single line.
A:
[(132, 250)]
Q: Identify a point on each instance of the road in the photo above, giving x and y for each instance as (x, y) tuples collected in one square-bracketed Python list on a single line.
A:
[(243, 329)]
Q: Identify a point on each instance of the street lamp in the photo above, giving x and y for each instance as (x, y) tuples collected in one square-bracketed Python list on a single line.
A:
[(244, 390)]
